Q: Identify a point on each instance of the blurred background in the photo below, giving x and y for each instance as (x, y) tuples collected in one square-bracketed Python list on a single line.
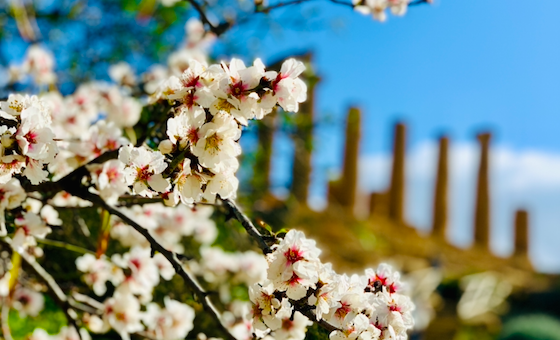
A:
[(448, 167)]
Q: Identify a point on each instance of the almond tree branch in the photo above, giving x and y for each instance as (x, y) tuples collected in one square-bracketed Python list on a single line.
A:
[(60, 298), (173, 258), (344, 3), (234, 210), (8, 122), (4, 314), (50, 189), (253, 232), (64, 245), (188, 278), (278, 5), (419, 2), (217, 30)]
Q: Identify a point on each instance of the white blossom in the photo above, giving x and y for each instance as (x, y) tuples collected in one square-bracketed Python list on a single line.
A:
[(173, 322), (143, 169)]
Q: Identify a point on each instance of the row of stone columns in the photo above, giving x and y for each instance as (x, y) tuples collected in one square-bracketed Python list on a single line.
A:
[(391, 203)]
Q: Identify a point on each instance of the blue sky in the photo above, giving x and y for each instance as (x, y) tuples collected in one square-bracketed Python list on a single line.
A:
[(456, 67)]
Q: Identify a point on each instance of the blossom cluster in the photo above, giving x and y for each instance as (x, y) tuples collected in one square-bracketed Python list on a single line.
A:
[(31, 219), (368, 306), (378, 8), (38, 63), (210, 105), (26, 137), (167, 226), (134, 274)]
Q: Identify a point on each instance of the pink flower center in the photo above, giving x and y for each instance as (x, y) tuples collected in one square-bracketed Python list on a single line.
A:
[(144, 173), (237, 89), (189, 99), (191, 81), (136, 263), (287, 324), (294, 280), (342, 311), (192, 135), (31, 137), (113, 174), (293, 255)]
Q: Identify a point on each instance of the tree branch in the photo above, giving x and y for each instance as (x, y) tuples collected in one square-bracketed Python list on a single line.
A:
[(190, 280), (344, 3), (278, 5), (60, 298), (247, 224), (8, 122), (251, 230), (419, 2), (5, 313), (64, 245), (52, 188), (173, 258), (217, 30)]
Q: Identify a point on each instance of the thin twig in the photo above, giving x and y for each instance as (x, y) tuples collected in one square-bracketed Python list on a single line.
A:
[(129, 200), (278, 5), (419, 2), (5, 313), (89, 301), (217, 30), (9, 122), (344, 3), (247, 224), (52, 188), (59, 296), (63, 245)]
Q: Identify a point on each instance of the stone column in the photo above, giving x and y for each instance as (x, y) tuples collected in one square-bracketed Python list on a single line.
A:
[(482, 207), (343, 191), (303, 144), (521, 232), (439, 220), (397, 186)]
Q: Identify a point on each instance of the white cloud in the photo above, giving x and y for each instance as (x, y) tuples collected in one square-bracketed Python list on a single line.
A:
[(519, 179)]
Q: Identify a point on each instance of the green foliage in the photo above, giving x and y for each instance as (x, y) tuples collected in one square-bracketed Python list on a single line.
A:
[(468, 332), (531, 327), (50, 319), (316, 333)]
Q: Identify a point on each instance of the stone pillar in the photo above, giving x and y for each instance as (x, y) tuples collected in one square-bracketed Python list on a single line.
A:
[(482, 207), (261, 169), (439, 220), (521, 232), (378, 204), (397, 186), (303, 144), (344, 190)]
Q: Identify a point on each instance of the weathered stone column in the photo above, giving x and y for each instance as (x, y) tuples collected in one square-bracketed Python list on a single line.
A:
[(397, 186), (344, 190), (521, 233), (439, 220), (303, 144), (261, 169), (482, 207)]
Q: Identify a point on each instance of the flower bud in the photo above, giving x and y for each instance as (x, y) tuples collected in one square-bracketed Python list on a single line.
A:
[(165, 146)]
